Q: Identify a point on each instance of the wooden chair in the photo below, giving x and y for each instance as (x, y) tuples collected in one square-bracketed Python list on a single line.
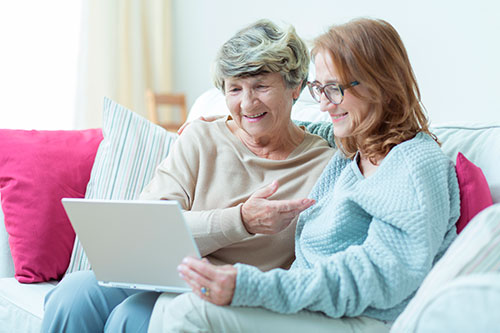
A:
[(177, 101)]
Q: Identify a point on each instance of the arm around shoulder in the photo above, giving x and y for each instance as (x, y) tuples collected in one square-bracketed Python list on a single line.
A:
[(320, 128)]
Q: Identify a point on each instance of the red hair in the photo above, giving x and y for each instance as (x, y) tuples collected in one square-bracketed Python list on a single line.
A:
[(372, 53)]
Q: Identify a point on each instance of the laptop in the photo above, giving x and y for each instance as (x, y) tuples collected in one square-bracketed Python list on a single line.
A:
[(133, 244)]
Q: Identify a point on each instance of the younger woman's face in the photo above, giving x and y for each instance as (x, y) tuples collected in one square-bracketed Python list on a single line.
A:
[(341, 114)]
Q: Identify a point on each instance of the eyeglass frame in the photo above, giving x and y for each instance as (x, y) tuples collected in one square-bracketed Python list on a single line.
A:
[(321, 88)]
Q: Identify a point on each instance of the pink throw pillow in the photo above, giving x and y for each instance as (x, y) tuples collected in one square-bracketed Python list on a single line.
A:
[(37, 169), (474, 191)]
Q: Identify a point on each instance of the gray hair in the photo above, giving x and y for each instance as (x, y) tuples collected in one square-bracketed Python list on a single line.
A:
[(263, 47)]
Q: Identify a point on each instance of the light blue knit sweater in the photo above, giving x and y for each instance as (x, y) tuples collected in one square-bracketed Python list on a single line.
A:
[(367, 244)]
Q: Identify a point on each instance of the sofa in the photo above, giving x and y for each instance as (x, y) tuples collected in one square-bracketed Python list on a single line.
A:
[(108, 166)]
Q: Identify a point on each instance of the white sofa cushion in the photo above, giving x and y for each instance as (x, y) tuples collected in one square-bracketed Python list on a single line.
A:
[(21, 305), (480, 143)]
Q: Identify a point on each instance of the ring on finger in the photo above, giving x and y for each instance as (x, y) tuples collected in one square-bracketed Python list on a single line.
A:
[(205, 291)]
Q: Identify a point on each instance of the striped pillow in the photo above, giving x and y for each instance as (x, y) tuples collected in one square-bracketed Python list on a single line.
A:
[(475, 251), (125, 162)]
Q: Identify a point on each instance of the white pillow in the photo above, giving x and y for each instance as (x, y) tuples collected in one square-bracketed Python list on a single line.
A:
[(125, 162)]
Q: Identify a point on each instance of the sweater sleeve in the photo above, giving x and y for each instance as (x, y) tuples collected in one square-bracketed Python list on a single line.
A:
[(346, 284), (175, 179), (321, 128), (380, 273), (217, 228)]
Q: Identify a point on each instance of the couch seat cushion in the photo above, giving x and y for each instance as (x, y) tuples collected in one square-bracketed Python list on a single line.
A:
[(21, 305)]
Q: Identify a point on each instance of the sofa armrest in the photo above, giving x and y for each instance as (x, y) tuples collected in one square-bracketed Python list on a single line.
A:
[(466, 304), (476, 251)]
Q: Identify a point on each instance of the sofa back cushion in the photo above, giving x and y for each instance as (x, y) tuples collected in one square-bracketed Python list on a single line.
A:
[(37, 169), (480, 143), (125, 162)]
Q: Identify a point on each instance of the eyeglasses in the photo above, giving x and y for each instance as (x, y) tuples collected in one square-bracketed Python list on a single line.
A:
[(333, 91)]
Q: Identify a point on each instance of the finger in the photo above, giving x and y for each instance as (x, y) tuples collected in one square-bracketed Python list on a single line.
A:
[(197, 290), (181, 129), (289, 216), (202, 267), (195, 287), (292, 205), (212, 118), (266, 191), (183, 273), (194, 278)]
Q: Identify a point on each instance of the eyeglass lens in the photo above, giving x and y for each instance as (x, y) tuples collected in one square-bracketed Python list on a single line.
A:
[(332, 92)]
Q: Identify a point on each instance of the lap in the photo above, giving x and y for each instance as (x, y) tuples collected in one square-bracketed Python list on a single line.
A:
[(80, 303), (188, 312), (82, 286)]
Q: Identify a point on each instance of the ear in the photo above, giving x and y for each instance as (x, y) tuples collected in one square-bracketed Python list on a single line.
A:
[(296, 91)]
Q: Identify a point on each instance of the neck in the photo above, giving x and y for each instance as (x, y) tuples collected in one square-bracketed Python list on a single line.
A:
[(277, 146), (366, 166)]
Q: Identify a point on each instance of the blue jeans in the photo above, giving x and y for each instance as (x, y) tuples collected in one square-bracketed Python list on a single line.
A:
[(79, 304)]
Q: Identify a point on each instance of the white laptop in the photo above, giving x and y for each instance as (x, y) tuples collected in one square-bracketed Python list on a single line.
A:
[(133, 244)]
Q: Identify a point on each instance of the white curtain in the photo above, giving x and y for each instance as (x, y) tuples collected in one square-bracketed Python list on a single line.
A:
[(126, 48)]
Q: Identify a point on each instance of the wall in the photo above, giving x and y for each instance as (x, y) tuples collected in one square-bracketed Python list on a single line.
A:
[(454, 46)]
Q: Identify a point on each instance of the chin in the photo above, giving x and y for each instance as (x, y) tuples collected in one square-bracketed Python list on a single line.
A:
[(255, 132), (341, 131)]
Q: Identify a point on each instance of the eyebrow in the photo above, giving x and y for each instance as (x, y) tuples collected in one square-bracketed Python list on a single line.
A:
[(327, 82)]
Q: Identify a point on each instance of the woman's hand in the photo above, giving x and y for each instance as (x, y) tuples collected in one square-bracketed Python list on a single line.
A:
[(207, 119), (215, 284), (263, 216)]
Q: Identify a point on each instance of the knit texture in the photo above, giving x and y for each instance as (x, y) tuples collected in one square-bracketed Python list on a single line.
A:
[(322, 128), (367, 244)]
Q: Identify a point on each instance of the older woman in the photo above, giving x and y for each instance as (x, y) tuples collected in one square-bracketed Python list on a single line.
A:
[(386, 208), (222, 173)]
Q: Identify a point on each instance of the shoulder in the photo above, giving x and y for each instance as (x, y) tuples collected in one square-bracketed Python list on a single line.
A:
[(315, 141), (199, 140), (420, 152), (197, 127), (204, 132), (424, 161)]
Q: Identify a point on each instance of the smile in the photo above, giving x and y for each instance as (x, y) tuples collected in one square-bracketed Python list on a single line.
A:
[(256, 115), (338, 117), (255, 118)]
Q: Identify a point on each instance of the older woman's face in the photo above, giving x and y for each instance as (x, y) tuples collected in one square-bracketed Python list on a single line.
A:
[(261, 104)]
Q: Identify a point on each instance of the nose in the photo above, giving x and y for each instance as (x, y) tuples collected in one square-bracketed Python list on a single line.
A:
[(325, 105), (248, 100)]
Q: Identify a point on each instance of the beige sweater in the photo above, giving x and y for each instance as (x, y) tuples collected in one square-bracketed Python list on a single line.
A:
[(211, 173)]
